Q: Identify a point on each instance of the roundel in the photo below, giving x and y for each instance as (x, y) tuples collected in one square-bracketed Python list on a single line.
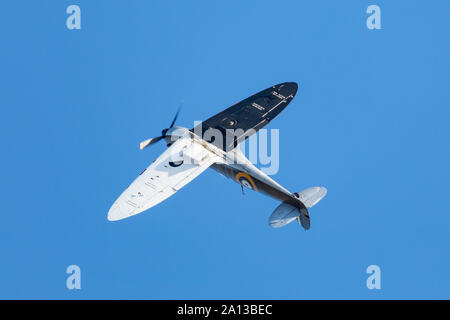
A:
[(246, 181), (176, 163)]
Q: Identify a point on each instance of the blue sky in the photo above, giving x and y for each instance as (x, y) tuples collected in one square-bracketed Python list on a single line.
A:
[(370, 122)]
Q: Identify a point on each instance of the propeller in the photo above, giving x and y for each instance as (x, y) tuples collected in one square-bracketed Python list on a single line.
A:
[(151, 141)]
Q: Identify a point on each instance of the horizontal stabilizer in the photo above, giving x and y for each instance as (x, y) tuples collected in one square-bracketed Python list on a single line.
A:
[(283, 215), (286, 213), (311, 196)]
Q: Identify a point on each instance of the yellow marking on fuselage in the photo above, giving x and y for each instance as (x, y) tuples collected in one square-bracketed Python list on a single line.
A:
[(242, 174)]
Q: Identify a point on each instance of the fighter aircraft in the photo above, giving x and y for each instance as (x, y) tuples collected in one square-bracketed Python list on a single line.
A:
[(215, 143)]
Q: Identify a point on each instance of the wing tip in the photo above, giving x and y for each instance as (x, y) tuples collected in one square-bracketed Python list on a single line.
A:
[(288, 88), (114, 213)]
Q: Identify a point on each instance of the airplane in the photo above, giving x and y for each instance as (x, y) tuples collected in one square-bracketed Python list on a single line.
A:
[(215, 143)]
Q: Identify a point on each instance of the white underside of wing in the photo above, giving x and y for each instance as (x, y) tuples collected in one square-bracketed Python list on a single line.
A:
[(176, 167)]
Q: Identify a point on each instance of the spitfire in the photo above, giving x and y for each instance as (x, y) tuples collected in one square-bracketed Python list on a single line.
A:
[(189, 153)]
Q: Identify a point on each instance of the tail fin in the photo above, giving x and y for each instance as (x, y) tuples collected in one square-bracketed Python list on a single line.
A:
[(285, 213), (304, 219)]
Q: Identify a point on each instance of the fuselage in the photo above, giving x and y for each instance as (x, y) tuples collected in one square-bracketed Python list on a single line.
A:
[(234, 165)]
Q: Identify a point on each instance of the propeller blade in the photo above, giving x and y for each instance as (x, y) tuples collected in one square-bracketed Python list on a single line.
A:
[(176, 115), (150, 141)]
